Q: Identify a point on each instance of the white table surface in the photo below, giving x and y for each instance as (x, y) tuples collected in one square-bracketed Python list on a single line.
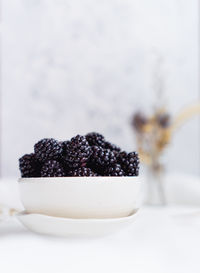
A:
[(163, 240)]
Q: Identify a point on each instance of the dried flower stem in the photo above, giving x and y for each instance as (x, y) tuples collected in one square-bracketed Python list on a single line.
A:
[(184, 115)]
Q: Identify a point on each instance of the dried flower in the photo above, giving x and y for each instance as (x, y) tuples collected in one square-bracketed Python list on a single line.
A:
[(154, 133), (139, 121), (163, 120)]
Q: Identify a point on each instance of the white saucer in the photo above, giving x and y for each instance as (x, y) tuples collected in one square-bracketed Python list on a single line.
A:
[(73, 227)]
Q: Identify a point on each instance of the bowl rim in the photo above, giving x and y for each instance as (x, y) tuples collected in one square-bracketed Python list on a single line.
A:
[(68, 179)]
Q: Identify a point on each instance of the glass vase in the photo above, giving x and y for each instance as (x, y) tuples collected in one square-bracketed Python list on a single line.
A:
[(155, 190)]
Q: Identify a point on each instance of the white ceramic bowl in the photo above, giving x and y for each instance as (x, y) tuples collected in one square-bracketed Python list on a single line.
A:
[(80, 197)]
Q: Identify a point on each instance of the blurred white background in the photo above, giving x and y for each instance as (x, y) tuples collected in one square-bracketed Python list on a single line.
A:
[(71, 67)]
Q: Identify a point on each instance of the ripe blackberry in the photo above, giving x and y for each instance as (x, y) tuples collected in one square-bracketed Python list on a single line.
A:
[(83, 171), (78, 152), (48, 148), (130, 163), (112, 147), (29, 166), (115, 170), (95, 139), (64, 146), (102, 158), (52, 168)]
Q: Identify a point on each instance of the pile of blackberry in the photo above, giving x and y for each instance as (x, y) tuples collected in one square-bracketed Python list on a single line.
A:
[(89, 155)]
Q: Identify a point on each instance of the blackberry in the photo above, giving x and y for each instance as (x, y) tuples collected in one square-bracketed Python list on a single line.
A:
[(29, 166), (83, 171), (78, 152), (48, 148), (102, 158), (115, 170), (52, 168), (112, 147), (95, 139), (64, 146), (129, 163), (89, 155)]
